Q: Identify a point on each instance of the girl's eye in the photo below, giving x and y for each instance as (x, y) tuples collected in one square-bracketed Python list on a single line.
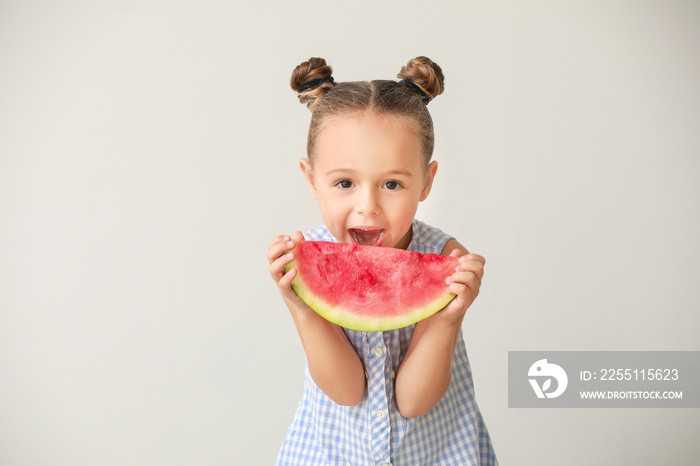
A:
[(392, 185), (345, 184)]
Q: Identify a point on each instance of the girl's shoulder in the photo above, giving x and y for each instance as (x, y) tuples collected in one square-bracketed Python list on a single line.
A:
[(427, 239), (319, 233)]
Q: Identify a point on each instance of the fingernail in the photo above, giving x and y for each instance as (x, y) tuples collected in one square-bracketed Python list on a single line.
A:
[(290, 243), (448, 280)]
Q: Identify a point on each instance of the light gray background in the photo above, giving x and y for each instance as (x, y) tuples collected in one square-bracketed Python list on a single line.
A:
[(148, 154)]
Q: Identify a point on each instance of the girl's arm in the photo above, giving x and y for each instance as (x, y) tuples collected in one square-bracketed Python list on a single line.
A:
[(426, 371), (333, 362)]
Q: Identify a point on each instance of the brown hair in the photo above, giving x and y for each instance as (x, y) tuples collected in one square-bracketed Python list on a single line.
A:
[(422, 81)]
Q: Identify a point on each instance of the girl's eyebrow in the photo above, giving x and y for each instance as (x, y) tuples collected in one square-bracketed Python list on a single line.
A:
[(401, 172), (350, 171), (339, 170)]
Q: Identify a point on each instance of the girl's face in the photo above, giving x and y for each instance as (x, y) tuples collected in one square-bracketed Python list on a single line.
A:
[(368, 177)]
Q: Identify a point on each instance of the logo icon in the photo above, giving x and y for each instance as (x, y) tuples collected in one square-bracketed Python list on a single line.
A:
[(546, 372)]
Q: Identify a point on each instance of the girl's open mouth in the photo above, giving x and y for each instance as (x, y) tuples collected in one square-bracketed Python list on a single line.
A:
[(367, 236)]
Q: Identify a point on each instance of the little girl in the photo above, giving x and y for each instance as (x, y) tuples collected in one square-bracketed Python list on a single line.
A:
[(405, 396)]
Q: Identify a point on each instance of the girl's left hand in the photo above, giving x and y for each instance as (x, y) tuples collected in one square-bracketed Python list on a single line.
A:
[(464, 283)]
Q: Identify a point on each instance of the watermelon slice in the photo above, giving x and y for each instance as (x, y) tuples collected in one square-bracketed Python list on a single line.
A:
[(370, 288)]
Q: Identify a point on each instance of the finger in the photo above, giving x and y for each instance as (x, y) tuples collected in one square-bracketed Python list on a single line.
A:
[(279, 238), (470, 279), (277, 266), (474, 267), (464, 295), (298, 236), (285, 283), (473, 257), (286, 290), (278, 248), (456, 253), (460, 289)]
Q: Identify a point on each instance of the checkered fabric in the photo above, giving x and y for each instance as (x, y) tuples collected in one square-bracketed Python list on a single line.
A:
[(374, 432)]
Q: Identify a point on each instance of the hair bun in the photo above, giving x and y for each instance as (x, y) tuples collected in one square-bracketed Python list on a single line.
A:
[(426, 74), (311, 80)]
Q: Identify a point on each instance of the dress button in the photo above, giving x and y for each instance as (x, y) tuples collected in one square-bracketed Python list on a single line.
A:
[(378, 351), (381, 413)]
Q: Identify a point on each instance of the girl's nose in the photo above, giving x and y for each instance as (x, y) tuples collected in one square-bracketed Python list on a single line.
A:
[(367, 203)]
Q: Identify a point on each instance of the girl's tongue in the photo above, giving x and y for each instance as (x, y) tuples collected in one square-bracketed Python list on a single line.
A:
[(367, 236)]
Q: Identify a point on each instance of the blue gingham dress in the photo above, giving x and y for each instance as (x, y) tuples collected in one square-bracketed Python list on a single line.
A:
[(374, 432)]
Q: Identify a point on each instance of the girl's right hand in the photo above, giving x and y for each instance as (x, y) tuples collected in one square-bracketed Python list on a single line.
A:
[(333, 362), (279, 255)]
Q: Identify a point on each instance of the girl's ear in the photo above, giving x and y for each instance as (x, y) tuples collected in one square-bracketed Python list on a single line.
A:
[(306, 170), (432, 170)]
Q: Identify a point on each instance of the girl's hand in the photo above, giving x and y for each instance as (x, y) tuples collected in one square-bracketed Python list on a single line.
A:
[(333, 362), (425, 373), (464, 283), (279, 255)]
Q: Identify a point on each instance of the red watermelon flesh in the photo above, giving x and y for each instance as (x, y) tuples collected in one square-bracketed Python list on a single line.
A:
[(370, 288)]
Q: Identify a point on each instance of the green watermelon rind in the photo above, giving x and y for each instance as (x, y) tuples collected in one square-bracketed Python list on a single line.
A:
[(350, 320)]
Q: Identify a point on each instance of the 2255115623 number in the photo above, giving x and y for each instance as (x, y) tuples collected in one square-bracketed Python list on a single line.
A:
[(639, 374)]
